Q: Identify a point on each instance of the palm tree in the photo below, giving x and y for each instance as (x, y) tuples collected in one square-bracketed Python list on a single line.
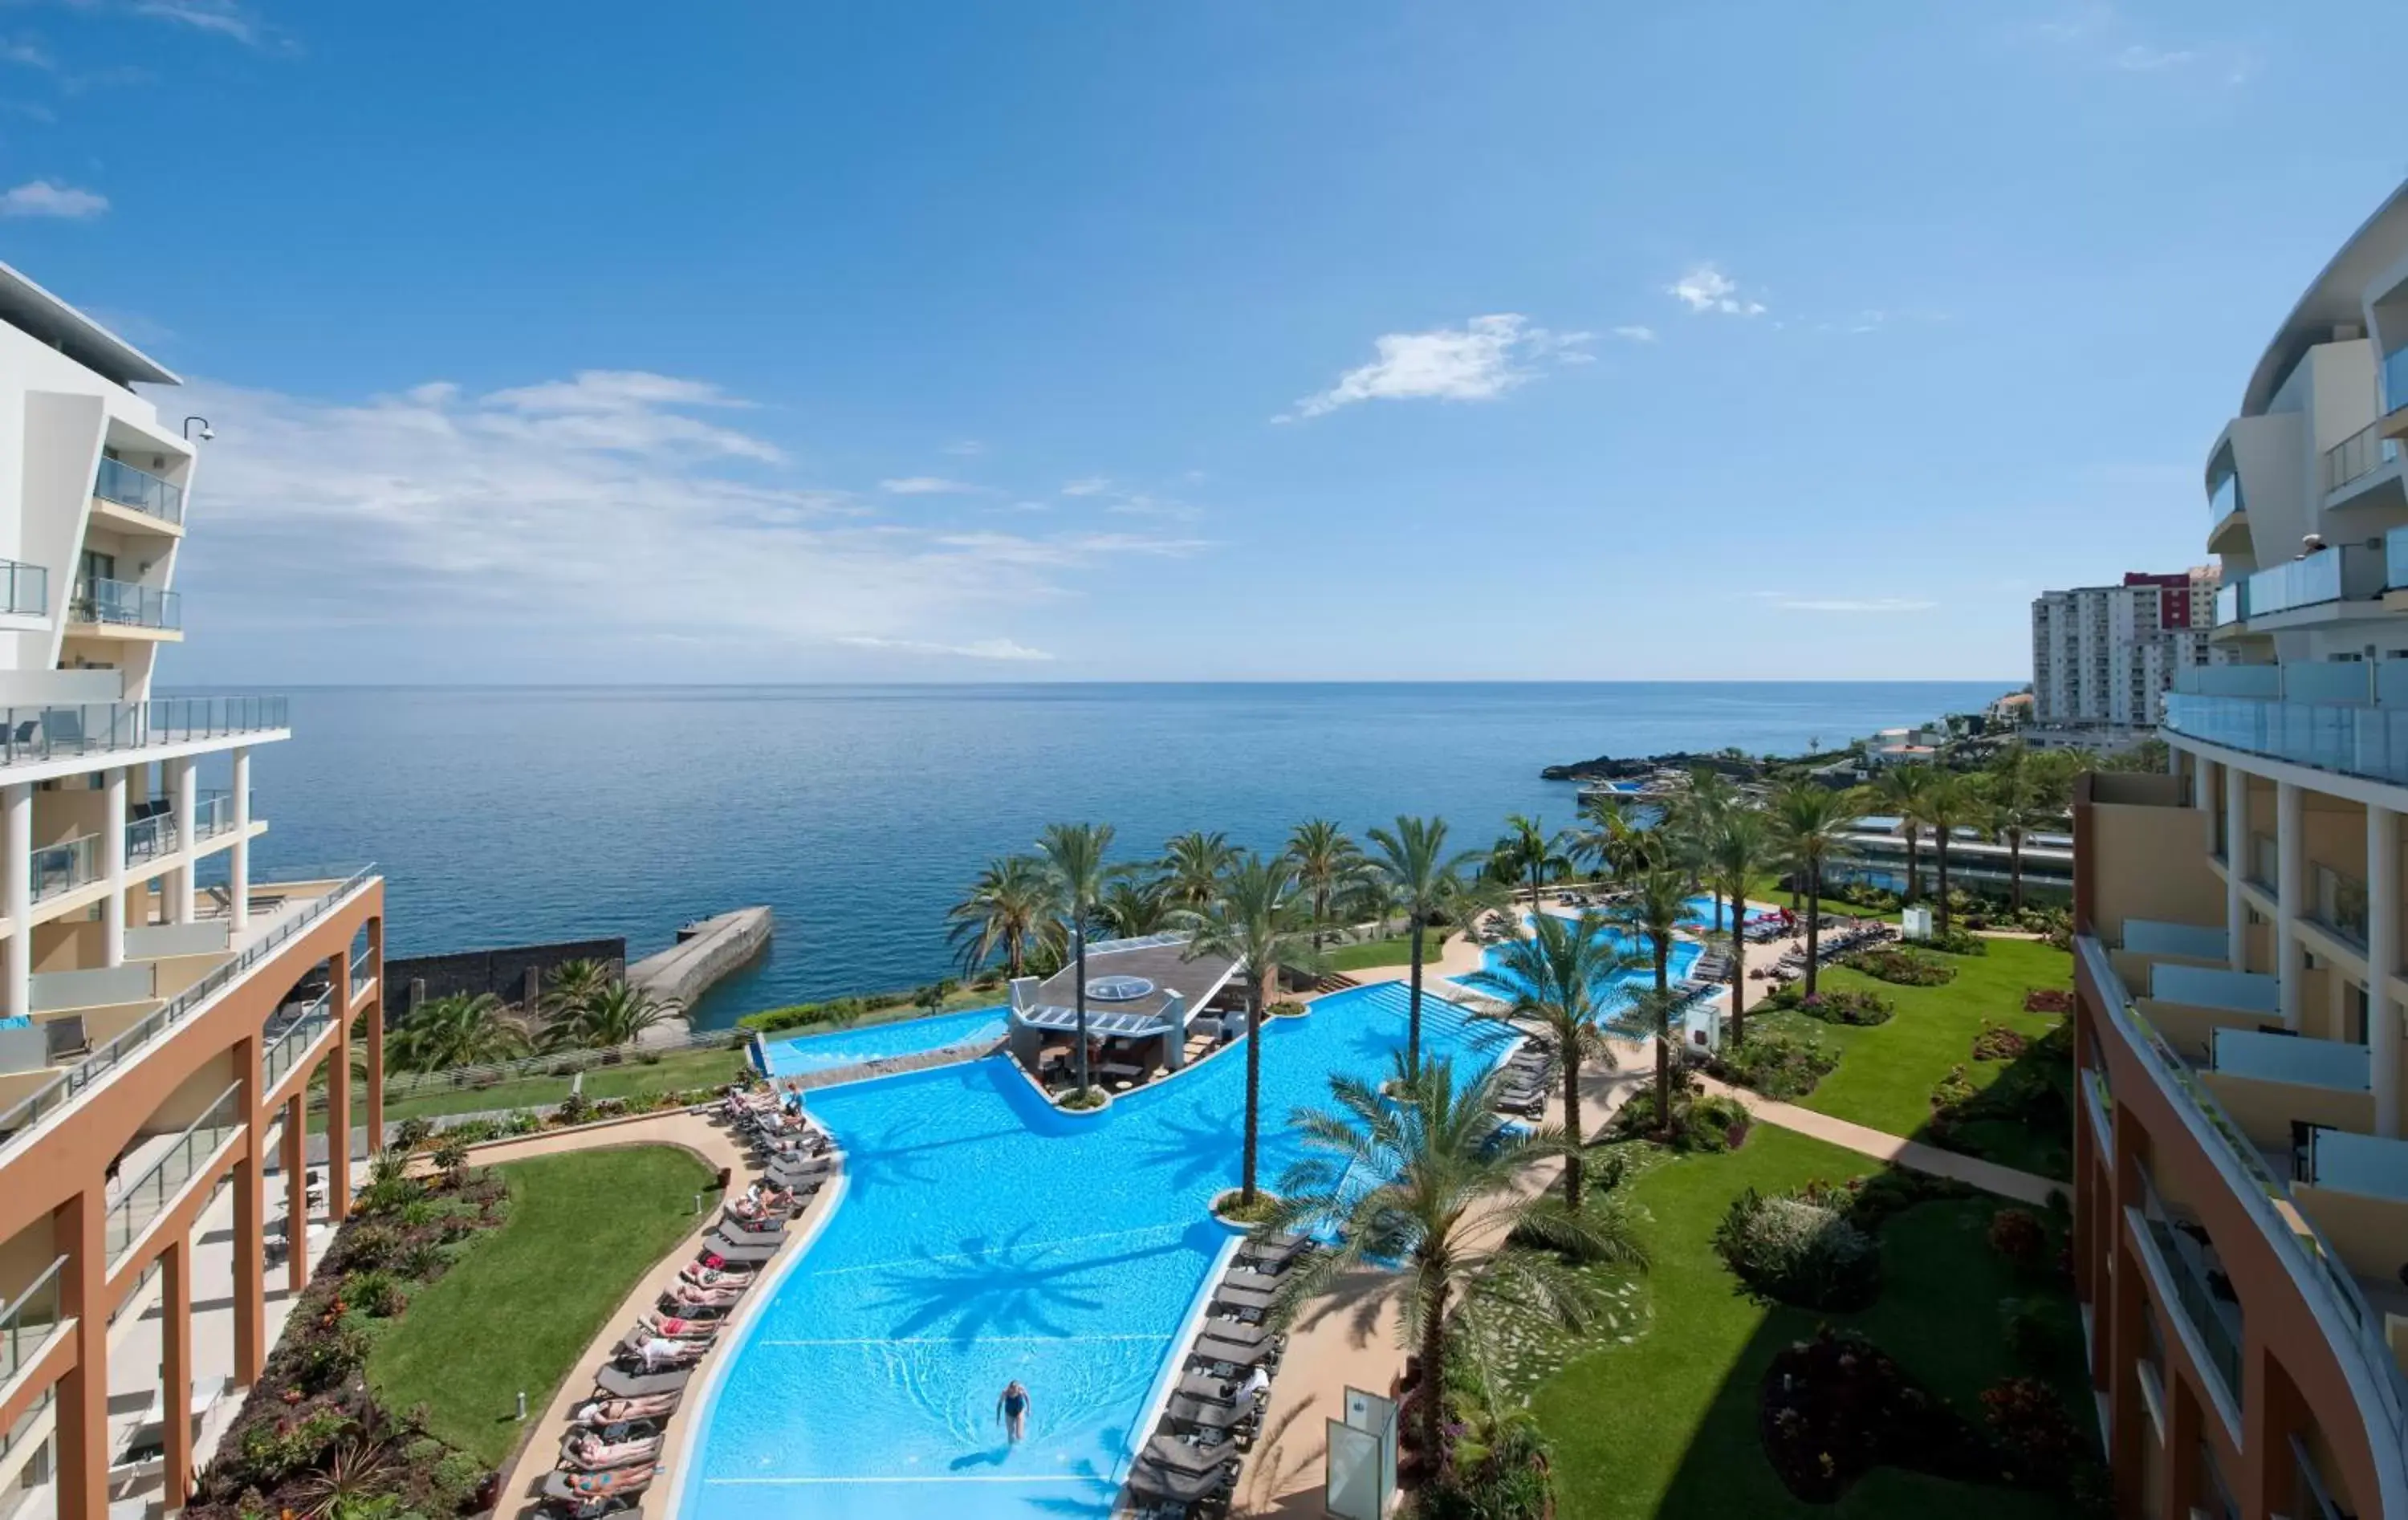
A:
[(1551, 978), (1952, 802), (1132, 909), (1811, 826), (1689, 824), (460, 1029), (574, 985), (1445, 1199), (1325, 861), (2014, 787), (1659, 900), (1073, 854), (1261, 920), (1527, 850), (1620, 847), (1739, 851), (617, 1015), (1905, 791), (1424, 882), (1192, 866), (1009, 907)]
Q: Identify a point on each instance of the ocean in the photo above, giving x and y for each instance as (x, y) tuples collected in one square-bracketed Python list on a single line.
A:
[(858, 813)]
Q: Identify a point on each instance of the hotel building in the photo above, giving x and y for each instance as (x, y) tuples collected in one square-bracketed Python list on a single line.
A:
[(164, 1009), (2241, 1224)]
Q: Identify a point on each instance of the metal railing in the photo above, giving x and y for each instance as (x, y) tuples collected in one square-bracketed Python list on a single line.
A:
[(290, 1040), (2340, 903), (563, 1063), (25, 589), (98, 599), (66, 866), (2315, 1268), (29, 1321), (2191, 1291), (2358, 455), (148, 1196), (46, 733), (122, 484), (71, 1083)]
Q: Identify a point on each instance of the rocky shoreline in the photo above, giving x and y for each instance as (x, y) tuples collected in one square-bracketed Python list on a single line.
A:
[(1605, 767)]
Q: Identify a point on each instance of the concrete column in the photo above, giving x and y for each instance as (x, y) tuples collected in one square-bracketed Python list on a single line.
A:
[(374, 1017), (2382, 959), (16, 889), (338, 1089), (241, 863), (2291, 896), (112, 856), (186, 793), (297, 1189), (80, 1229), (250, 1225), (2236, 856), (2202, 785), (176, 1369)]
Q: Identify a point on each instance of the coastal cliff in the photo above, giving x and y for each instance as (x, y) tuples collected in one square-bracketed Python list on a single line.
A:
[(1605, 767)]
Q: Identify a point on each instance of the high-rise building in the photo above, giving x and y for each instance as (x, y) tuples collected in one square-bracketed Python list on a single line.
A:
[(165, 1009), (2105, 656), (2241, 1172)]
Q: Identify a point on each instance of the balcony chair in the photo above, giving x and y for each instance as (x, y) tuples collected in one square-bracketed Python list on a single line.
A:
[(64, 1038)]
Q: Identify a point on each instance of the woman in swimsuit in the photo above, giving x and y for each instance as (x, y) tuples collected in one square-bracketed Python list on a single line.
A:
[(1012, 1409)]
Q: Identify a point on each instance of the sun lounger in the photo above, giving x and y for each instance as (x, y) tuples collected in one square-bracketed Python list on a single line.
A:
[(1243, 1295), (581, 1488), (589, 1453), (678, 1327), (619, 1383), (1208, 1387), (1274, 1255), (1181, 1487), (1245, 1334), (1186, 1456), (741, 1252), (1216, 1352), (743, 1234), (1204, 1414)]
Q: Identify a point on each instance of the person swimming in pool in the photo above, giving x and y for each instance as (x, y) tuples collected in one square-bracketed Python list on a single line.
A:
[(1012, 1408)]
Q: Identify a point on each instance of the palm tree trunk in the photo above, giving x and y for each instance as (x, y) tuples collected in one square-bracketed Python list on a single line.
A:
[(1432, 1390), (1739, 976), (1536, 867), (2015, 866), (1718, 910), (1814, 922), (1940, 864), (1414, 1007), (1913, 862), (1078, 948), (1253, 1093), (1572, 1125), (1663, 1039)]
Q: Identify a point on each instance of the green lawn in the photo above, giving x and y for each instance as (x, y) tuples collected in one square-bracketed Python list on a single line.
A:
[(1373, 953), (629, 1079), (1666, 1425), (1767, 888), (520, 1310), (1886, 1072)]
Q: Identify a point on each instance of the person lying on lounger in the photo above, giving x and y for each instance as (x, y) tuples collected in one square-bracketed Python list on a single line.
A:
[(609, 1485), (616, 1410), (592, 1451), (657, 1352), (695, 1297), (709, 1278)]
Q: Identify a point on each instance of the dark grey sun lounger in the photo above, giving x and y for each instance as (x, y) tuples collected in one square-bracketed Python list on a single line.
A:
[(1245, 1334), (1245, 1295), (730, 1249), (1181, 1486), (1179, 1457), (1206, 1388), (743, 1234), (618, 1383), (1206, 1414), (1213, 1349)]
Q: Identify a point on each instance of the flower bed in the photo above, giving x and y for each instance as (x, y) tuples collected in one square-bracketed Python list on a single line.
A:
[(1836, 1406), (1954, 941), (1900, 968), (2048, 1000), (1775, 1062), (1997, 1042), (1798, 1250), (1710, 1124)]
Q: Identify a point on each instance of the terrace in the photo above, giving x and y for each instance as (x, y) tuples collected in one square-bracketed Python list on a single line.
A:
[(1152, 1007)]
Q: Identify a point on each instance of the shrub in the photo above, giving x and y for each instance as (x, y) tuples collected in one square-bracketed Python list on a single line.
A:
[(1955, 941), (1952, 1091), (1506, 1481), (1859, 1007), (1997, 1042), (468, 1132), (1799, 1252), (523, 1123), (2048, 1000), (375, 1292), (2018, 1235), (1835, 1407), (2032, 1429), (574, 1109), (1287, 1008), (1079, 1102), (410, 1134), (1900, 968), (803, 1016), (1776, 1063), (2029, 1335), (452, 1154), (273, 1451), (1711, 1124)]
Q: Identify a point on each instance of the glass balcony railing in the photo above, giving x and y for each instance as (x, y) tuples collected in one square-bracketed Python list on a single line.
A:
[(149, 1196), (25, 589), (2232, 604), (2340, 903), (2395, 381), (47, 733), (66, 865), (2310, 581), (148, 838), (2358, 456), (70, 1083), (2265, 862), (122, 484), (2224, 499), (29, 1319), (2190, 1264), (290, 1037), (125, 604), (2346, 740)]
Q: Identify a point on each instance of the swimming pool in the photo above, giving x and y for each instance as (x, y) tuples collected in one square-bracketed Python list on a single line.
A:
[(1701, 913), (880, 1042), (982, 1237), (1684, 959)]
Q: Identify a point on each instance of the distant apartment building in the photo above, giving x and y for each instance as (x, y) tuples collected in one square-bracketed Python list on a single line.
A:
[(2105, 656), (165, 1009)]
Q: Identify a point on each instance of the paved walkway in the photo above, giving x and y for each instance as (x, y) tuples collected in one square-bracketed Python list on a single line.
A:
[(1989, 1176)]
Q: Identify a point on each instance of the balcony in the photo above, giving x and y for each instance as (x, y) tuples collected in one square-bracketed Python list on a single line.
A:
[(156, 1191), (140, 490), (27, 1324), (2337, 901), (2336, 574), (2349, 740), (63, 867), (2223, 505), (290, 1035), (153, 835), (25, 589), (2394, 376), (122, 604), (32, 733), (2358, 456), (2199, 1286), (72, 1081)]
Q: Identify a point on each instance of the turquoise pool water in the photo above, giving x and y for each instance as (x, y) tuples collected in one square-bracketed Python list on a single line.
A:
[(1701, 912), (984, 1236), (1681, 961), (878, 1041)]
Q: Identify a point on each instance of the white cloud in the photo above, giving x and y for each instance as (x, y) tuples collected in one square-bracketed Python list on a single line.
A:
[(1635, 334), (48, 198), (1089, 486), (927, 485), (1479, 361), (542, 524), (2137, 59), (966, 448), (1706, 288), (983, 648), (223, 18), (27, 52)]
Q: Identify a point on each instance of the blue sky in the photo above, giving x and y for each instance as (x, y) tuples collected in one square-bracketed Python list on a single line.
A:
[(1074, 341)]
